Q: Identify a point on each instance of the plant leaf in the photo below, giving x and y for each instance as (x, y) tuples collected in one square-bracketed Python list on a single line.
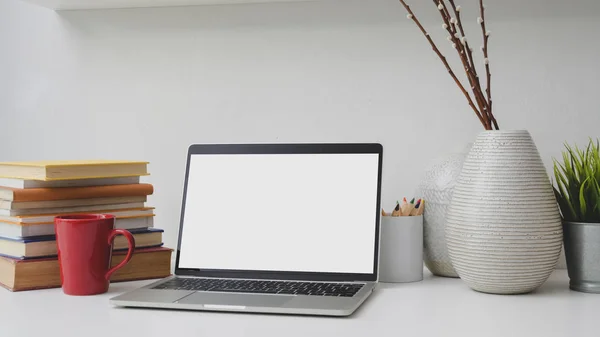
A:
[(577, 186), (562, 197), (582, 202), (566, 209), (595, 199)]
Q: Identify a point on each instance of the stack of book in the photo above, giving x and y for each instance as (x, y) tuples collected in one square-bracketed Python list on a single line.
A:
[(33, 193)]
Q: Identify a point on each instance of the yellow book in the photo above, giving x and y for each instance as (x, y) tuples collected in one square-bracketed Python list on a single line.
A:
[(72, 169)]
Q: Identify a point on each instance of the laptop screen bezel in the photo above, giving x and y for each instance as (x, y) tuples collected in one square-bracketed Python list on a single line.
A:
[(363, 148)]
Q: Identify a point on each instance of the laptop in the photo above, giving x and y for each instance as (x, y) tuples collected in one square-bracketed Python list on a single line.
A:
[(274, 228)]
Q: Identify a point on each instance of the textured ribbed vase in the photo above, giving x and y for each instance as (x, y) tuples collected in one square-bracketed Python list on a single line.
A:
[(503, 230), (436, 188)]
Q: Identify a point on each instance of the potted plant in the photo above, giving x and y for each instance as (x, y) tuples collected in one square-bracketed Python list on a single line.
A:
[(577, 191)]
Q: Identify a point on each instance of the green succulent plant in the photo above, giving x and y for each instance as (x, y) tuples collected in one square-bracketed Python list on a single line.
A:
[(577, 183)]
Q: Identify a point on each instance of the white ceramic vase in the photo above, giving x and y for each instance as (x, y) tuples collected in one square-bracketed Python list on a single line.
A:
[(503, 230), (436, 188)]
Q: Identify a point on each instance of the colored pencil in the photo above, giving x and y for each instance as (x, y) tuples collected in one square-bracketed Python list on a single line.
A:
[(396, 211), (415, 210), (422, 207)]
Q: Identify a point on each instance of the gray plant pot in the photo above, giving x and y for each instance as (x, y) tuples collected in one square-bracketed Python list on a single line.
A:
[(582, 251)]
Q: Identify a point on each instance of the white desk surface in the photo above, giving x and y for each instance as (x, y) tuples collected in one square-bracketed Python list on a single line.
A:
[(434, 307)]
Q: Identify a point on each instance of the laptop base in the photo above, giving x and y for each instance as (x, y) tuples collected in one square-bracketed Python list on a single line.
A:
[(145, 297)]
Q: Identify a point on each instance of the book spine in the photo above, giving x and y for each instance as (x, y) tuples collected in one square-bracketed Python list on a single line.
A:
[(69, 193)]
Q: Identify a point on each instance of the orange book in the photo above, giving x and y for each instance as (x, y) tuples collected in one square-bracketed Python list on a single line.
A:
[(69, 193)]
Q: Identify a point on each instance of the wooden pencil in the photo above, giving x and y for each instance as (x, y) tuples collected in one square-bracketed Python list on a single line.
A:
[(422, 208), (409, 209), (405, 207), (416, 209), (396, 211)]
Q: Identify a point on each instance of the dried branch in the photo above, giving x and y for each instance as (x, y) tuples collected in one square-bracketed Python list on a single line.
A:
[(486, 37), (456, 11), (469, 51), (412, 16), (452, 29), (445, 13)]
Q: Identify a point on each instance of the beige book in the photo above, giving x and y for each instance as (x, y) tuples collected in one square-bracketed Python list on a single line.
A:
[(29, 183), (49, 218), (11, 230), (17, 205), (72, 169), (45, 246), (76, 209)]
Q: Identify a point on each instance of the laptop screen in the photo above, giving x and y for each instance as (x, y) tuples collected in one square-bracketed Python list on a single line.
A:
[(281, 212)]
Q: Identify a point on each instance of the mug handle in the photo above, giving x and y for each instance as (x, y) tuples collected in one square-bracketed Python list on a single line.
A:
[(130, 243)]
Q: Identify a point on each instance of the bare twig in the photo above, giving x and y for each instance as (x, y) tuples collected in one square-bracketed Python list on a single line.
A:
[(486, 37), (412, 16), (469, 51), (446, 13), (455, 29), (461, 48), (462, 32)]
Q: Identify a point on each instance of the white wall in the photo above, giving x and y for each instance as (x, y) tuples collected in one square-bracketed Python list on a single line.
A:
[(146, 83)]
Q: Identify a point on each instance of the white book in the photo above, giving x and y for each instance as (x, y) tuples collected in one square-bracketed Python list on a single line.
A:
[(77, 209), (11, 230), (25, 183)]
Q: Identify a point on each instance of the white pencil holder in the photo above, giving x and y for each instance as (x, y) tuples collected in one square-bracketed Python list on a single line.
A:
[(401, 249)]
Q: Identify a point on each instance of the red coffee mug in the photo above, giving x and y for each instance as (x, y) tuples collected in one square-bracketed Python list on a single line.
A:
[(84, 245)]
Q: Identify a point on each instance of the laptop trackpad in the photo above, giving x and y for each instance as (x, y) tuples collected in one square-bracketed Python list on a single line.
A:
[(235, 300)]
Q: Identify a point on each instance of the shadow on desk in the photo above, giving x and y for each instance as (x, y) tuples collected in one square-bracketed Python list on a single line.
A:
[(240, 313), (557, 283), (428, 280)]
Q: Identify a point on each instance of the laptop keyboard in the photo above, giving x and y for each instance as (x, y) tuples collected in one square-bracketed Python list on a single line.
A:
[(262, 287)]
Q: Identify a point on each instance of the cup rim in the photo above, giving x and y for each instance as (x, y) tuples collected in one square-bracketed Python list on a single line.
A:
[(83, 217), (404, 217)]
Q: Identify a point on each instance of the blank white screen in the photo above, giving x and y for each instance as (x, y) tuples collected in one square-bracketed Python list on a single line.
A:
[(281, 212)]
